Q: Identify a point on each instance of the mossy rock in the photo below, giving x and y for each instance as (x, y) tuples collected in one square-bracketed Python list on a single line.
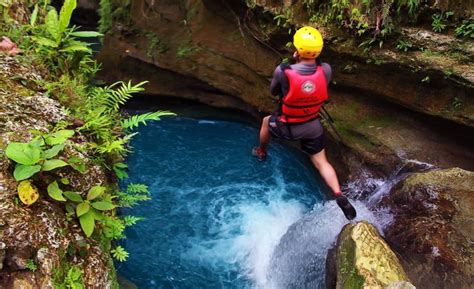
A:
[(364, 260)]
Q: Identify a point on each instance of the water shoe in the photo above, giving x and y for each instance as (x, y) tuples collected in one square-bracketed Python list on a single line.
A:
[(259, 153), (346, 207)]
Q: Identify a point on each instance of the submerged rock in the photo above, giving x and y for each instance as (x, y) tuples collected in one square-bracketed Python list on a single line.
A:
[(362, 259), (433, 227)]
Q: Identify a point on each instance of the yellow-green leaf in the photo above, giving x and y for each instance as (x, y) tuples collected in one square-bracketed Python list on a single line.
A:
[(55, 192), (73, 196), (27, 192), (95, 192), (65, 14), (52, 152), (49, 165), (103, 206), (82, 208), (23, 153), (52, 24), (59, 137), (87, 223), (23, 172)]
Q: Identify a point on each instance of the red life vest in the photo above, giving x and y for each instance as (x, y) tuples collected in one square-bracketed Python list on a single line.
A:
[(305, 96)]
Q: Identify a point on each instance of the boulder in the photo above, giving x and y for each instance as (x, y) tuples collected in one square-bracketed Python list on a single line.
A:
[(362, 259), (433, 227)]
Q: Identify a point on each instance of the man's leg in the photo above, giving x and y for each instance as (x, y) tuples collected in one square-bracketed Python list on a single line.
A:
[(261, 151), (329, 175), (264, 134), (326, 170)]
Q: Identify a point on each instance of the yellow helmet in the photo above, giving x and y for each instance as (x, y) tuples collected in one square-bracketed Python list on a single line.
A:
[(308, 42)]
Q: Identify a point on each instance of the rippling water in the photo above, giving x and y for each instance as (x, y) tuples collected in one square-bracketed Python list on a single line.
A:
[(219, 218)]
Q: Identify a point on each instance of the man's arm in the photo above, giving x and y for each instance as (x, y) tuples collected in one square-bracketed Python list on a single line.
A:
[(275, 86), (327, 72)]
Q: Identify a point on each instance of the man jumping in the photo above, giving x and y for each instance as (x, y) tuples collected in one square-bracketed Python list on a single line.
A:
[(302, 88)]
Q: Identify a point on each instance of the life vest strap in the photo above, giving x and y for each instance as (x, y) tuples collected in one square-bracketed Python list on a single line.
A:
[(301, 116), (303, 106)]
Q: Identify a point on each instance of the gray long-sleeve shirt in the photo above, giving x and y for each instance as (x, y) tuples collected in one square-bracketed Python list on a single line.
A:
[(280, 86)]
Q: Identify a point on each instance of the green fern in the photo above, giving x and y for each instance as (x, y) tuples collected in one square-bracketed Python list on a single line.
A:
[(119, 253), (138, 119), (131, 220), (137, 188), (133, 194), (115, 98)]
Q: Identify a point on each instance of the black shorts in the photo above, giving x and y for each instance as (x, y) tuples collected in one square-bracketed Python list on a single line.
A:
[(311, 134)]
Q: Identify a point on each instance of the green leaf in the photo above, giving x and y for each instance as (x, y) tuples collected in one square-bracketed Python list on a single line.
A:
[(59, 137), (120, 170), (73, 196), (23, 153), (86, 34), (55, 192), (87, 223), (119, 253), (74, 48), (70, 209), (49, 165), (103, 206), (77, 164), (52, 152), (74, 274), (82, 208), (34, 15), (65, 181), (65, 14), (23, 172), (45, 41), (136, 120), (52, 25), (94, 192)]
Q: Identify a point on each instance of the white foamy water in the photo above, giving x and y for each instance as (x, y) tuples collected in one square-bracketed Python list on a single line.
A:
[(277, 244)]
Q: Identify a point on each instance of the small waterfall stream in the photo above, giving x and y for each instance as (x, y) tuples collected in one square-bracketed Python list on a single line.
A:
[(219, 218)]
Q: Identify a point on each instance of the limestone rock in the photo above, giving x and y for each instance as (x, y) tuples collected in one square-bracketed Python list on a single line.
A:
[(2, 254), (433, 228), (45, 261), (364, 260)]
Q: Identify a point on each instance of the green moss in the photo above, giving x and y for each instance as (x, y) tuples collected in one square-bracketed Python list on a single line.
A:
[(348, 277)]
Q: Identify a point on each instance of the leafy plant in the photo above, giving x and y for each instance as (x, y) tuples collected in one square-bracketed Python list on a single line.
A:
[(133, 194), (57, 42), (131, 220), (90, 209), (283, 19), (138, 119), (185, 51), (426, 79), (155, 44), (456, 104), (466, 29), (73, 278), (438, 24), (105, 13), (38, 154), (30, 265), (119, 253), (411, 5), (404, 45)]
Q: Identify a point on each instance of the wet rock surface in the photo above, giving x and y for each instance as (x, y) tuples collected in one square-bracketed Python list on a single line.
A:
[(362, 259), (39, 234), (433, 227)]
